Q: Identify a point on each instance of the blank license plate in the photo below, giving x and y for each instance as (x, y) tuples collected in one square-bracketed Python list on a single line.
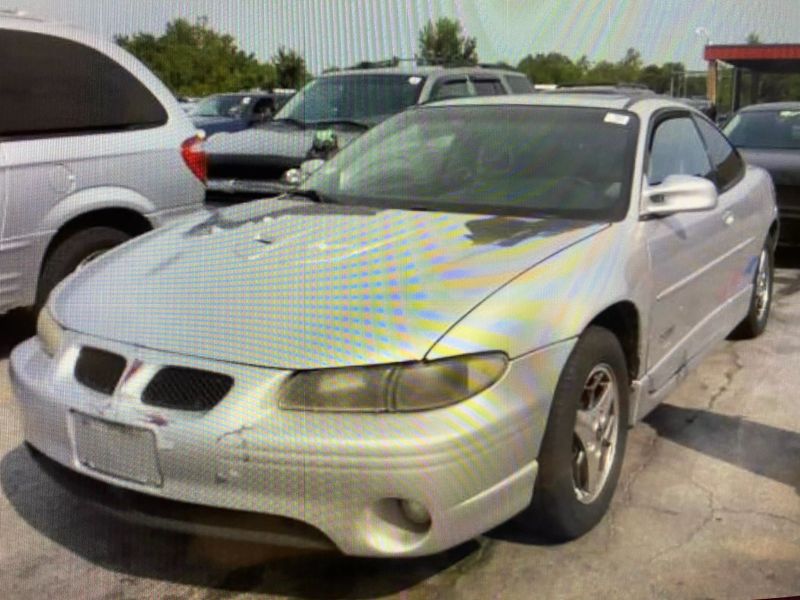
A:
[(118, 450)]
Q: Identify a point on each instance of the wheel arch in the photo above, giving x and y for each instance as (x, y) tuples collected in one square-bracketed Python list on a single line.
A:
[(623, 320), (124, 219)]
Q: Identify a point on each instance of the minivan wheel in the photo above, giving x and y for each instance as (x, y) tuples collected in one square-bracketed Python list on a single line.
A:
[(73, 252), (584, 443), (755, 322)]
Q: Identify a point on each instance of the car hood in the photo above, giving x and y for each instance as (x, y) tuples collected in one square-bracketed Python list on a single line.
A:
[(273, 140), (298, 285), (782, 165), (205, 121)]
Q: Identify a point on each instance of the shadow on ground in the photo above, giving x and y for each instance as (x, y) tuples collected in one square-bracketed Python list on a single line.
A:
[(232, 566), (787, 258), (761, 449), (15, 327)]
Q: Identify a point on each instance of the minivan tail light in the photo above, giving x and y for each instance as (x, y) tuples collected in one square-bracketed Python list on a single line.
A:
[(195, 157)]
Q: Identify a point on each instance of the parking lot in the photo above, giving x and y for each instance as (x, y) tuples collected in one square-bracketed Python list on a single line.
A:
[(708, 506)]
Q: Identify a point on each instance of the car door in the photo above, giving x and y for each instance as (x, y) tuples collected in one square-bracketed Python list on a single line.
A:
[(741, 213), (685, 251)]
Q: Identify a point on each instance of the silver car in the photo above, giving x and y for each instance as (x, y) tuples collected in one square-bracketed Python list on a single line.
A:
[(453, 322), (93, 150)]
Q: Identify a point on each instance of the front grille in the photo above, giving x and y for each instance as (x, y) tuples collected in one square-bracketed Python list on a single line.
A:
[(182, 388), (99, 370), (256, 167)]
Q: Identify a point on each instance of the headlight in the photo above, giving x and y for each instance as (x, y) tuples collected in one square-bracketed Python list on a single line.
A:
[(50, 333), (393, 388)]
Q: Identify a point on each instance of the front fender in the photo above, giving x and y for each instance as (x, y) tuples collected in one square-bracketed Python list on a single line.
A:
[(555, 300)]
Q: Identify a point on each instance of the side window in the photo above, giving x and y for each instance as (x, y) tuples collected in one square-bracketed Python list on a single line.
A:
[(727, 162), (450, 88), (488, 87), (263, 106), (677, 149), (52, 86), (519, 85)]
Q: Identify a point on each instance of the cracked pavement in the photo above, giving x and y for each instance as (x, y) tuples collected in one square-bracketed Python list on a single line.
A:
[(708, 506)]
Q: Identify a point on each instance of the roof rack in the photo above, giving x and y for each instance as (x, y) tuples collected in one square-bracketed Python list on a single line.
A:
[(622, 85), (418, 61)]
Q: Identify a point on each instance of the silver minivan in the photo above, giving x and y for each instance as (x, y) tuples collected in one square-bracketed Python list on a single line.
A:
[(94, 150)]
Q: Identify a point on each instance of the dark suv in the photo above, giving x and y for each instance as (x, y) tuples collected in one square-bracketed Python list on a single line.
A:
[(337, 107)]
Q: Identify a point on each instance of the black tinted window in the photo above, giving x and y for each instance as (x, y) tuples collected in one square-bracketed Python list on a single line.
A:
[(53, 86), (519, 85), (726, 161), (488, 87), (765, 129), (677, 150), (451, 88)]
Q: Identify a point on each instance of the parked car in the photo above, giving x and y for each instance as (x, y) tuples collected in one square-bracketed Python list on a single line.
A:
[(452, 322), (340, 106), (768, 135), (93, 150), (235, 112), (187, 103)]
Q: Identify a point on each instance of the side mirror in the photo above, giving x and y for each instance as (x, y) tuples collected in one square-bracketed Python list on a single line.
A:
[(679, 193)]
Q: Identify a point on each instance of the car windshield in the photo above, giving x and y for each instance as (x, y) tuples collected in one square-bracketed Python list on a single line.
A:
[(362, 98), (219, 106), (515, 160), (778, 129)]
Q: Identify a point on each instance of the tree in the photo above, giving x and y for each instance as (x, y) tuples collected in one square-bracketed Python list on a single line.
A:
[(193, 60), (551, 68), (290, 68), (753, 38), (629, 68), (445, 42)]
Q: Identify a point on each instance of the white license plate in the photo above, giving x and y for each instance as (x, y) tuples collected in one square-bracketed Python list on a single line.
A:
[(117, 450)]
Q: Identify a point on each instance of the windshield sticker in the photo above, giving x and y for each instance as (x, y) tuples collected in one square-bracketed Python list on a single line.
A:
[(414, 80), (616, 119)]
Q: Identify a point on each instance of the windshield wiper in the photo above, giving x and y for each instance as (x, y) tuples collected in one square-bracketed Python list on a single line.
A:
[(314, 196), (351, 122), (290, 120)]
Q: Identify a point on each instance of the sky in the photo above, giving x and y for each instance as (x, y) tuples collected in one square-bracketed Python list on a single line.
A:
[(344, 32)]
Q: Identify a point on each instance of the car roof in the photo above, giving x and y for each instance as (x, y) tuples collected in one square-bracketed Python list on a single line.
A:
[(771, 106), (424, 71), (609, 101), (642, 105)]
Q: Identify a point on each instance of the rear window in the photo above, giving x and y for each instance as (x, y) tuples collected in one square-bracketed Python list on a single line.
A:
[(778, 129), (52, 86)]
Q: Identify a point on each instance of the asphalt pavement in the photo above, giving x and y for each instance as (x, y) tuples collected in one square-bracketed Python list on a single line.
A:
[(708, 506)]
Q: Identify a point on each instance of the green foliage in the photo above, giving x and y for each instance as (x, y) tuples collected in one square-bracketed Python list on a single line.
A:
[(193, 60), (445, 42), (290, 69), (551, 68)]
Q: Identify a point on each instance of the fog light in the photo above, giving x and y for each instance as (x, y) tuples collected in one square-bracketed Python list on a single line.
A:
[(415, 512)]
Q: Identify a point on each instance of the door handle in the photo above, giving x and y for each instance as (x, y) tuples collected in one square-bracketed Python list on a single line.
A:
[(728, 218)]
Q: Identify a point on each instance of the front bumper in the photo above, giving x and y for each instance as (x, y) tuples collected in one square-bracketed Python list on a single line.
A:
[(472, 465), (221, 189)]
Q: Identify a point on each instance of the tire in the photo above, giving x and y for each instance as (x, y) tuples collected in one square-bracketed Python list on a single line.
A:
[(70, 252), (564, 504), (754, 324)]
